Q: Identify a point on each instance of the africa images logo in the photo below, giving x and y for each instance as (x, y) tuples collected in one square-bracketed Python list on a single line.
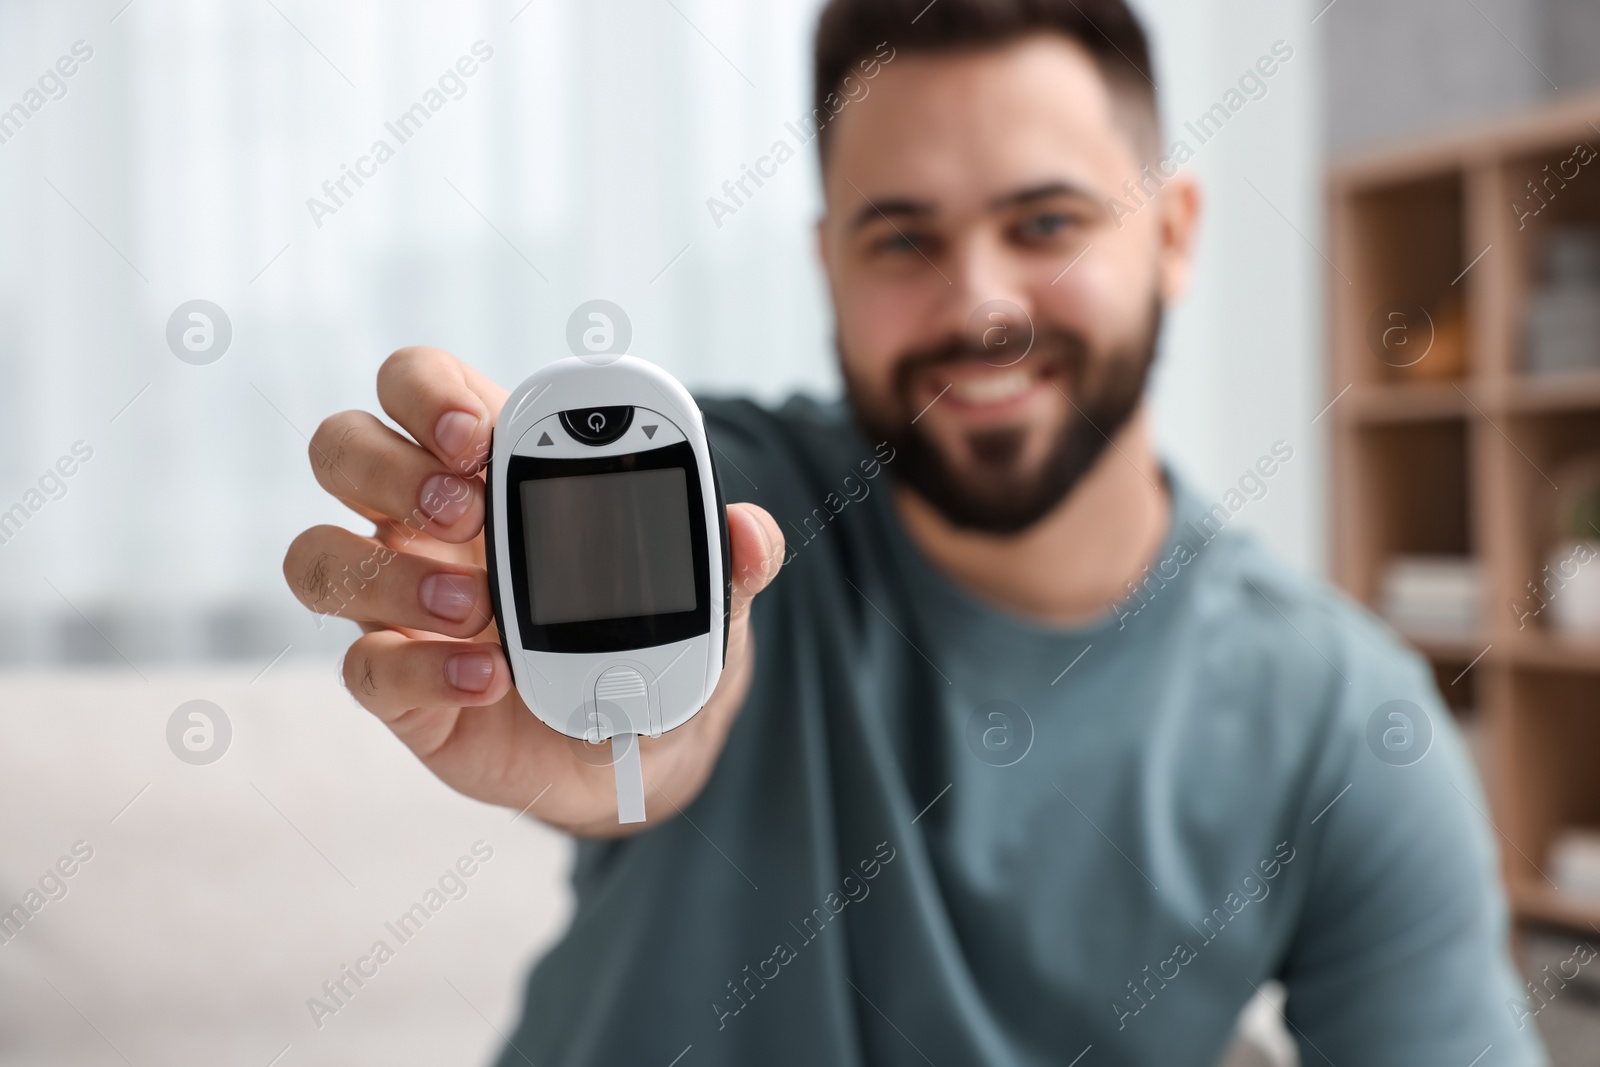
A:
[(199, 332), (1399, 732), (199, 732)]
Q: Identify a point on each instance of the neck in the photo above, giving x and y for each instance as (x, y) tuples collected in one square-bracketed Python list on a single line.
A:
[(1074, 563)]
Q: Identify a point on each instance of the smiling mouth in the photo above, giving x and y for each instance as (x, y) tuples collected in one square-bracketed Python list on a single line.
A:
[(985, 393), (992, 388)]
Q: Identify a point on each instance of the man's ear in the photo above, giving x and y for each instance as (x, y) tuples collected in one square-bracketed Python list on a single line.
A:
[(1180, 206)]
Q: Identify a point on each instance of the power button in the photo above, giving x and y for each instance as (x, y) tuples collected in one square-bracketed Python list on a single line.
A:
[(597, 426)]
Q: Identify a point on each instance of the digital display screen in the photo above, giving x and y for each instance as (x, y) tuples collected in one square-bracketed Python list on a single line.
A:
[(608, 546)]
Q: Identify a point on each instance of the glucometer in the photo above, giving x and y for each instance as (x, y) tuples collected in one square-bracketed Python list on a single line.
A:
[(607, 545)]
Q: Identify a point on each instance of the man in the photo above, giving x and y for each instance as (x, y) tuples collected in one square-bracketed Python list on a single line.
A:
[(1021, 758)]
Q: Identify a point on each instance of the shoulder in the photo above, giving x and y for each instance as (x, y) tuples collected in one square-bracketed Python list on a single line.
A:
[(1325, 675), (1256, 614), (1388, 797), (787, 456)]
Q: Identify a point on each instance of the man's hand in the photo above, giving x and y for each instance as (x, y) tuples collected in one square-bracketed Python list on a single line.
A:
[(430, 664)]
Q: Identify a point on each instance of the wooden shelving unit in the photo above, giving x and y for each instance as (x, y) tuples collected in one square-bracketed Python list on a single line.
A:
[(1462, 463)]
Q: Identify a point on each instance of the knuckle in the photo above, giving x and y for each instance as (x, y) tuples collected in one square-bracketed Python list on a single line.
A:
[(332, 437), (300, 550), (360, 675), (318, 574), (315, 584), (397, 366), (328, 429)]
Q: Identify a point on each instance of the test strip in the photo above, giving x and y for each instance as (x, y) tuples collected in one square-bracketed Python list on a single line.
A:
[(630, 777)]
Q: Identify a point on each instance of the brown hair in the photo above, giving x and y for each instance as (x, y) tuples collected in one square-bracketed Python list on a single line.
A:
[(850, 31)]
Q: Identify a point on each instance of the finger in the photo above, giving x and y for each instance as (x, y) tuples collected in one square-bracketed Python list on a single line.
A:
[(335, 572), (755, 545), (382, 475), (446, 405), (389, 673)]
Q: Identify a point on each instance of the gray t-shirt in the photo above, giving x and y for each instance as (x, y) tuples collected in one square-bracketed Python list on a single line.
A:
[(942, 834)]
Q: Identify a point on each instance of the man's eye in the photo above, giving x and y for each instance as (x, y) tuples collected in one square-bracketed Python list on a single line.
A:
[(898, 242), (1041, 227)]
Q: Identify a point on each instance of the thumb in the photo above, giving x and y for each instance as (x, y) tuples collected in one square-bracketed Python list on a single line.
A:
[(755, 548)]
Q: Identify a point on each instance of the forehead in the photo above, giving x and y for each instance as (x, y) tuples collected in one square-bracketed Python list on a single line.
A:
[(971, 125)]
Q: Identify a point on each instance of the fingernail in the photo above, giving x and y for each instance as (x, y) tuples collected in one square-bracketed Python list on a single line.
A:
[(445, 498), (453, 432), (449, 596), (470, 672)]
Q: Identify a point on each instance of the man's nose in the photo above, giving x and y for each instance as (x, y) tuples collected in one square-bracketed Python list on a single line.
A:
[(986, 301)]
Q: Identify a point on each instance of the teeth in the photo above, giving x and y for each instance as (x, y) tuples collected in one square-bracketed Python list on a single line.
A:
[(992, 388)]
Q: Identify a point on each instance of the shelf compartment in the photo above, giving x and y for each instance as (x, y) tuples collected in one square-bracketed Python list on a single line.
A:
[(1405, 247), (1535, 451), (1554, 736)]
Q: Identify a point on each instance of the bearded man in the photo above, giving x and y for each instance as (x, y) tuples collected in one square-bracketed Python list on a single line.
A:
[(1020, 756)]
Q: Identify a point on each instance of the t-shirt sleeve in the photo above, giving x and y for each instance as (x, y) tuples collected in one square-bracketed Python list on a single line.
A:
[(1401, 955)]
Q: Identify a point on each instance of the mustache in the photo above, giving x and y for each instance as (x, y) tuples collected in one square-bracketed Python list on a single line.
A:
[(1061, 350)]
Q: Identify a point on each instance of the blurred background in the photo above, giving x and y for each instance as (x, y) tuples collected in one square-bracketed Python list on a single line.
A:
[(184, 159)]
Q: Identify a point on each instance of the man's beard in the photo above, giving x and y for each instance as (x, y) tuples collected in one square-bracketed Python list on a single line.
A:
[(996, 498)]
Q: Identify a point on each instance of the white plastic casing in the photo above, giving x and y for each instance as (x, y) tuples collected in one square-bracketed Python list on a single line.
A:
[(566, 690)]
